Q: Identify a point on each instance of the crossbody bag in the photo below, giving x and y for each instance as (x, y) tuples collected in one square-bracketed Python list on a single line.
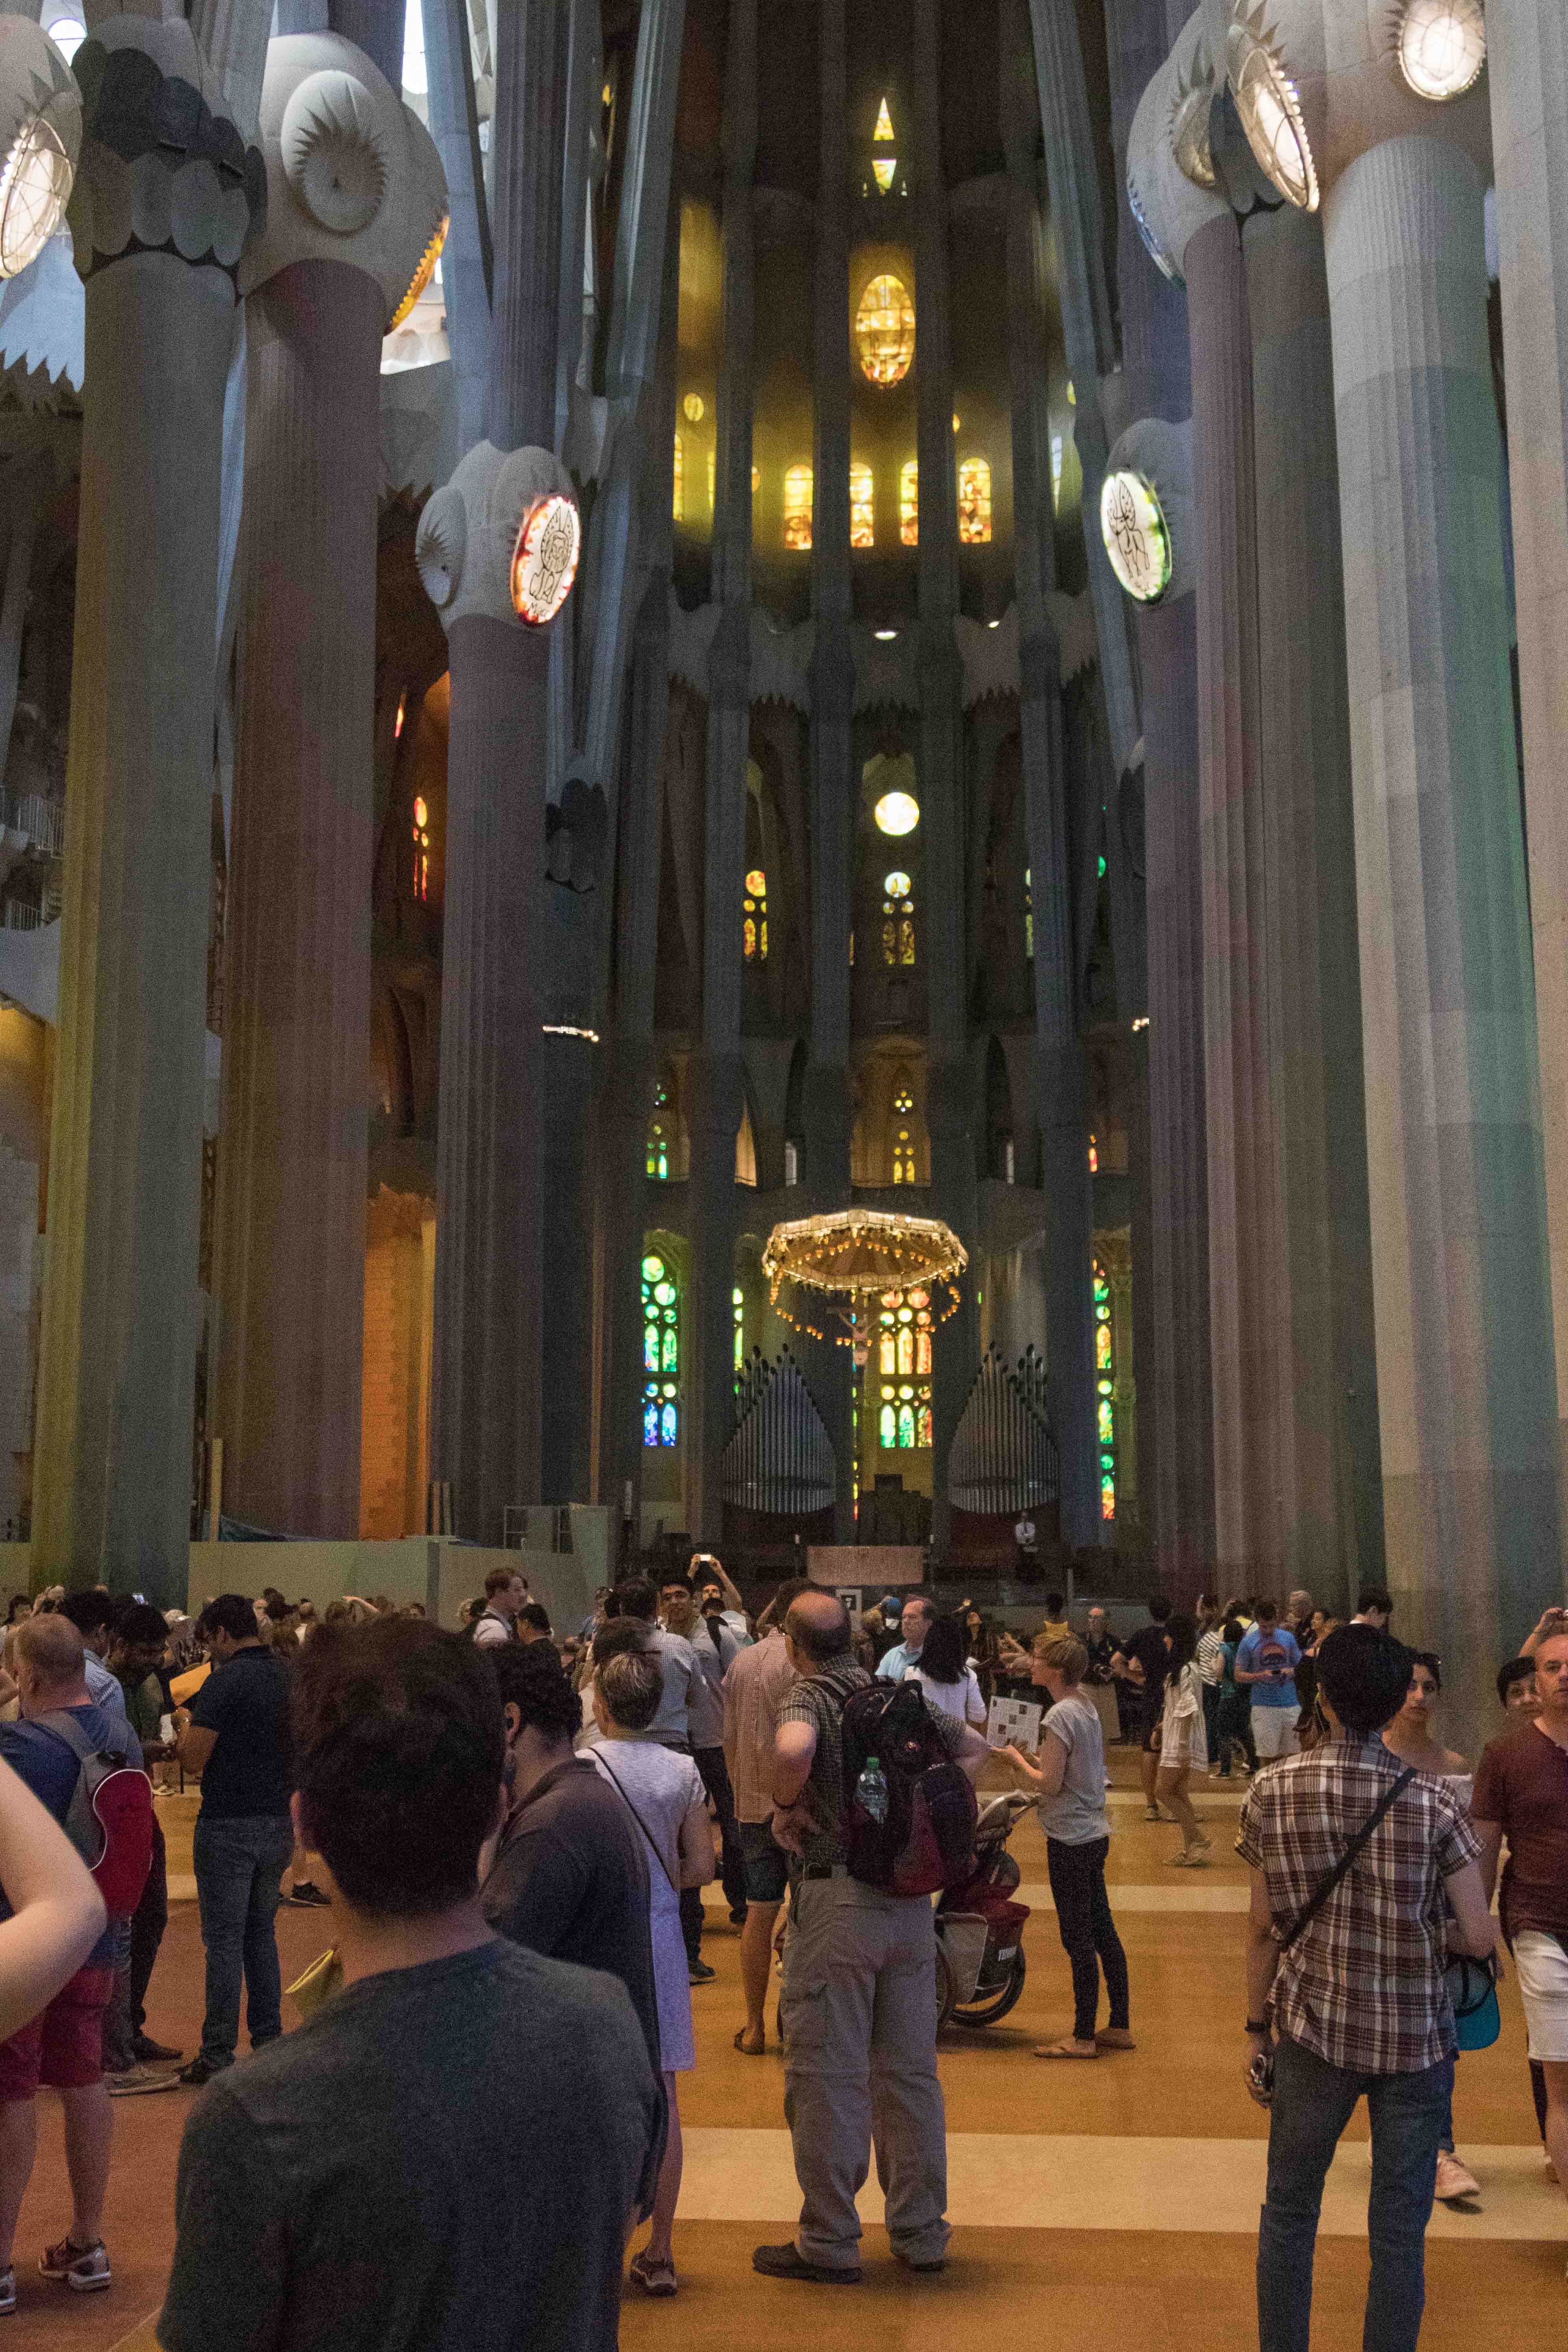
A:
[(1319, 1895), (613, 1777)]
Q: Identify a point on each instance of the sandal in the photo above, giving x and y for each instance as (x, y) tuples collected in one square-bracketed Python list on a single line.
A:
[(1065, 2049), (1115, 2037), (745, 2050), (654, 2277)]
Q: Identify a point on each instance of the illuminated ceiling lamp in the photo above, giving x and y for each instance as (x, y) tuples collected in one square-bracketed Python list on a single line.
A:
[(40, 138), (1269, 105), (855, 1261), (897, 813), (1441, 45)]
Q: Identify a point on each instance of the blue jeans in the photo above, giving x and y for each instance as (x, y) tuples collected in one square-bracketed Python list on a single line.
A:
[(1313, 2102), (239, 1868)]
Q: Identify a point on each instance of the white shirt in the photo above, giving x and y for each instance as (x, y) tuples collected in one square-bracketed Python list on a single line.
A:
[(492, 1629), (962, 1700), (104, 1688)]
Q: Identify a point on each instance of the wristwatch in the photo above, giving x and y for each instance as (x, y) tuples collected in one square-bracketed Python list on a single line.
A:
[(1254, 2025)]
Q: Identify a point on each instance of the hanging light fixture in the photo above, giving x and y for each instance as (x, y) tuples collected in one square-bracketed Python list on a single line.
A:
[(857, 1261)]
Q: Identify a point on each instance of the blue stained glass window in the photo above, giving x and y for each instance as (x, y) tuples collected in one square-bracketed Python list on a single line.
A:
[(661, 1353)]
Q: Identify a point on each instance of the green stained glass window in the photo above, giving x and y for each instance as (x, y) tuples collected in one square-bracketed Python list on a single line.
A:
[(660, 1353), (1105, 1393)]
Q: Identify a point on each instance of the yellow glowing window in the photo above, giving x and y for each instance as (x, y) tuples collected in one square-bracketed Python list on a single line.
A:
[(862, 503), (904, 1157), (909, 502), (973, 502), (883, 170), (884, 122), (677, 502), (713, 475), (797, 507), (754, 917), (1093, 1157), (421, 848), (899, 945), (885, 331)]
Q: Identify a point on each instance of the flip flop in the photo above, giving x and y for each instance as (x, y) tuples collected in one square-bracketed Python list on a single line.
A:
[(745, 2052), (1063, 2049), (655, 2278), (1115, 2037)]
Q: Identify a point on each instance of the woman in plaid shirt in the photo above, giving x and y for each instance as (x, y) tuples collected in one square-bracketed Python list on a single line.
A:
[(1353, 2004)]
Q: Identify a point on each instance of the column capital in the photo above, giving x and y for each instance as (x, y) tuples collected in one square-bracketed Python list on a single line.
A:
[(501, 541), (353, 175), (164, 167)]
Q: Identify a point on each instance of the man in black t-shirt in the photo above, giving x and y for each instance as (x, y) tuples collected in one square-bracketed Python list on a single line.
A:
[(236, 1735), (1149, 1648), (444, 2157)]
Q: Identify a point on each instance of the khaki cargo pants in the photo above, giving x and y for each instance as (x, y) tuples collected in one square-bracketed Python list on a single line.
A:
[(859, 2026)]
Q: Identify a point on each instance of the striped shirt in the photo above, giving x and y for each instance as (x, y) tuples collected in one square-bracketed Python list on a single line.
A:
[(1362, 1985)]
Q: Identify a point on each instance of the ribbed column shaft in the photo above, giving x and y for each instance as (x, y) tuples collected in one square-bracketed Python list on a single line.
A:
[(1242, 1163), (485, 1383), (1183, 1507), (1327, 1364), (1527, 70), (292, 1154), (1466, 1401), (528, 130), (111, 1482)]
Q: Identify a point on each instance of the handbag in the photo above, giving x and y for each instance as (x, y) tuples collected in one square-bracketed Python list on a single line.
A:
[(1319, 1895), (1471, 1986)]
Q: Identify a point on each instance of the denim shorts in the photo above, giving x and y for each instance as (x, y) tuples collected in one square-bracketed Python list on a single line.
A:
[(767, 1865)]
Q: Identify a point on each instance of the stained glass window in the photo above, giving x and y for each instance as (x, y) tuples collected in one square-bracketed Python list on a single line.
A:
[(660, 1353), (1093, 1157), (898, 920), (885, 332), (421, 844), (904, 1157), (884, 121), (973, 502), (712, 476), (797, 489), (909, 502), (677, 499), (1028, 916), (903, 1368), (738, 1303), (657, 1152), (754, 917), (862, 505), (1104, 1393)]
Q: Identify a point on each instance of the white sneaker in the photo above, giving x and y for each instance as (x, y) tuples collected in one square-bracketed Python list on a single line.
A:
[(1454, 2180)]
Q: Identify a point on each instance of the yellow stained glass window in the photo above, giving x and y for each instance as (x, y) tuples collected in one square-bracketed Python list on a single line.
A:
[(677, 502), (862, 505), (885, 331), (884, 121), (909, 502), (973, 502), (797, 507), (754, 914), (713, 477), (883, 170), (903, 1157)]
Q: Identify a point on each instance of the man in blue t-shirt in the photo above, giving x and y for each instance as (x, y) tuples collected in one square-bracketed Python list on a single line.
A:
[(63, 2048), (1265, 1661)]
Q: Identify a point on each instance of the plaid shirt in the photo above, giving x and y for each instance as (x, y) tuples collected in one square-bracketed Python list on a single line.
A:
[(819, 1701), (1363, 1986)]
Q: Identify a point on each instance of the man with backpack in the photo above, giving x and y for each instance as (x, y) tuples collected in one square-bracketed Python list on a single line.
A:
[(859, 1995), (63, 2048)]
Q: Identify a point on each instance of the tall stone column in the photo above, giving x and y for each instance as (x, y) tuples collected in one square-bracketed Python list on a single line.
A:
[(1527, 73), (949, 1117), (161, 213), (1467, 1393), (1327, 1363), (485, 1375), (355, 202), (717, 1076), (1063, 1084)]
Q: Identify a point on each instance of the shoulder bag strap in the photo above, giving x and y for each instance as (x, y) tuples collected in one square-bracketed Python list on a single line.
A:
[(66, 1726), (613, 1777), (1309, 1910)]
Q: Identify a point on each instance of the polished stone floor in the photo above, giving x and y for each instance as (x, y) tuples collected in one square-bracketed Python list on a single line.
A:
[(1114, 2202)]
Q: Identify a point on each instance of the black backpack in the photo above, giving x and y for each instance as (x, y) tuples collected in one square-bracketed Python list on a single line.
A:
[(927, 1842)]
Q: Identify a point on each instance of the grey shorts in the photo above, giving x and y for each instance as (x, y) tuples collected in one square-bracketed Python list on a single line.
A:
[(767, 1865)]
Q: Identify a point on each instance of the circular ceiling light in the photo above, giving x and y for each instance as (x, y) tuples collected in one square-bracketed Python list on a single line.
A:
[(885, 331), (544, 561), (1136, 539), (1442, 47), (1271, 112), (423, 275), (897, 813)]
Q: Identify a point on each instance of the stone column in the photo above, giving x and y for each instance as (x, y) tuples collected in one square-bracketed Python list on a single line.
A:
[(1063, 1089), (717, 1076), (1242, 1166), (485, 1379), (1527, 73), (321, 283), (954, 1190), (159, 231), (1328, 1450)]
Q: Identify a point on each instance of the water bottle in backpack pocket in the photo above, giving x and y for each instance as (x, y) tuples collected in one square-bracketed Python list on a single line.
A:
[(909, 1817)]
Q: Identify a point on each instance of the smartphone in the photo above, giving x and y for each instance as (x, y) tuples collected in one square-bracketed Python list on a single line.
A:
[(1260, 2077)]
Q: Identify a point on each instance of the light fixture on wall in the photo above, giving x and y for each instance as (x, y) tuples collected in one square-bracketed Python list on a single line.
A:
[(897, 813), (1270, 108), (40, 140), (1136, 538), (544, 561), (1442, 47)]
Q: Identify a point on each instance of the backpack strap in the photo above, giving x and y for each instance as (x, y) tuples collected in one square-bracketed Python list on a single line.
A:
[(65, 1726), (1319, 1895), (613, 1777)]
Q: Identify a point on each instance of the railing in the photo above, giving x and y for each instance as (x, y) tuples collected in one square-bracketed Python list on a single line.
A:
[(1004, 1457), (781, 1458), (42, 819)]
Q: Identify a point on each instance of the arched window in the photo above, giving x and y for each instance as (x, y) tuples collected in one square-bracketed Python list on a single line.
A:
[(738, 1304), (903, 1370), (658, 1133), (754, 917), (421, 846), (897, 919), (862, 505), (973, 502), (660, 1353), (885, 331), (797, 489), (678, 497), (909, 502), (904, 1140), (1104, 1393)]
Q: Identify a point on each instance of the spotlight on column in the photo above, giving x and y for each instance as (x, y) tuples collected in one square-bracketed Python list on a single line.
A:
[(1269, 106), (1132, 525), (1442, 47), (1190, 120), (1145, 510), (40, 140)]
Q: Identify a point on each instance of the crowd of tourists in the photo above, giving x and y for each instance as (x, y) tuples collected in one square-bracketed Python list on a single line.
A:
[(508, 1831)]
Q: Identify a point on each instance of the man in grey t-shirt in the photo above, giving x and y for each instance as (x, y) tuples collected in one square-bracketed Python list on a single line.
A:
[(339, 2189)]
